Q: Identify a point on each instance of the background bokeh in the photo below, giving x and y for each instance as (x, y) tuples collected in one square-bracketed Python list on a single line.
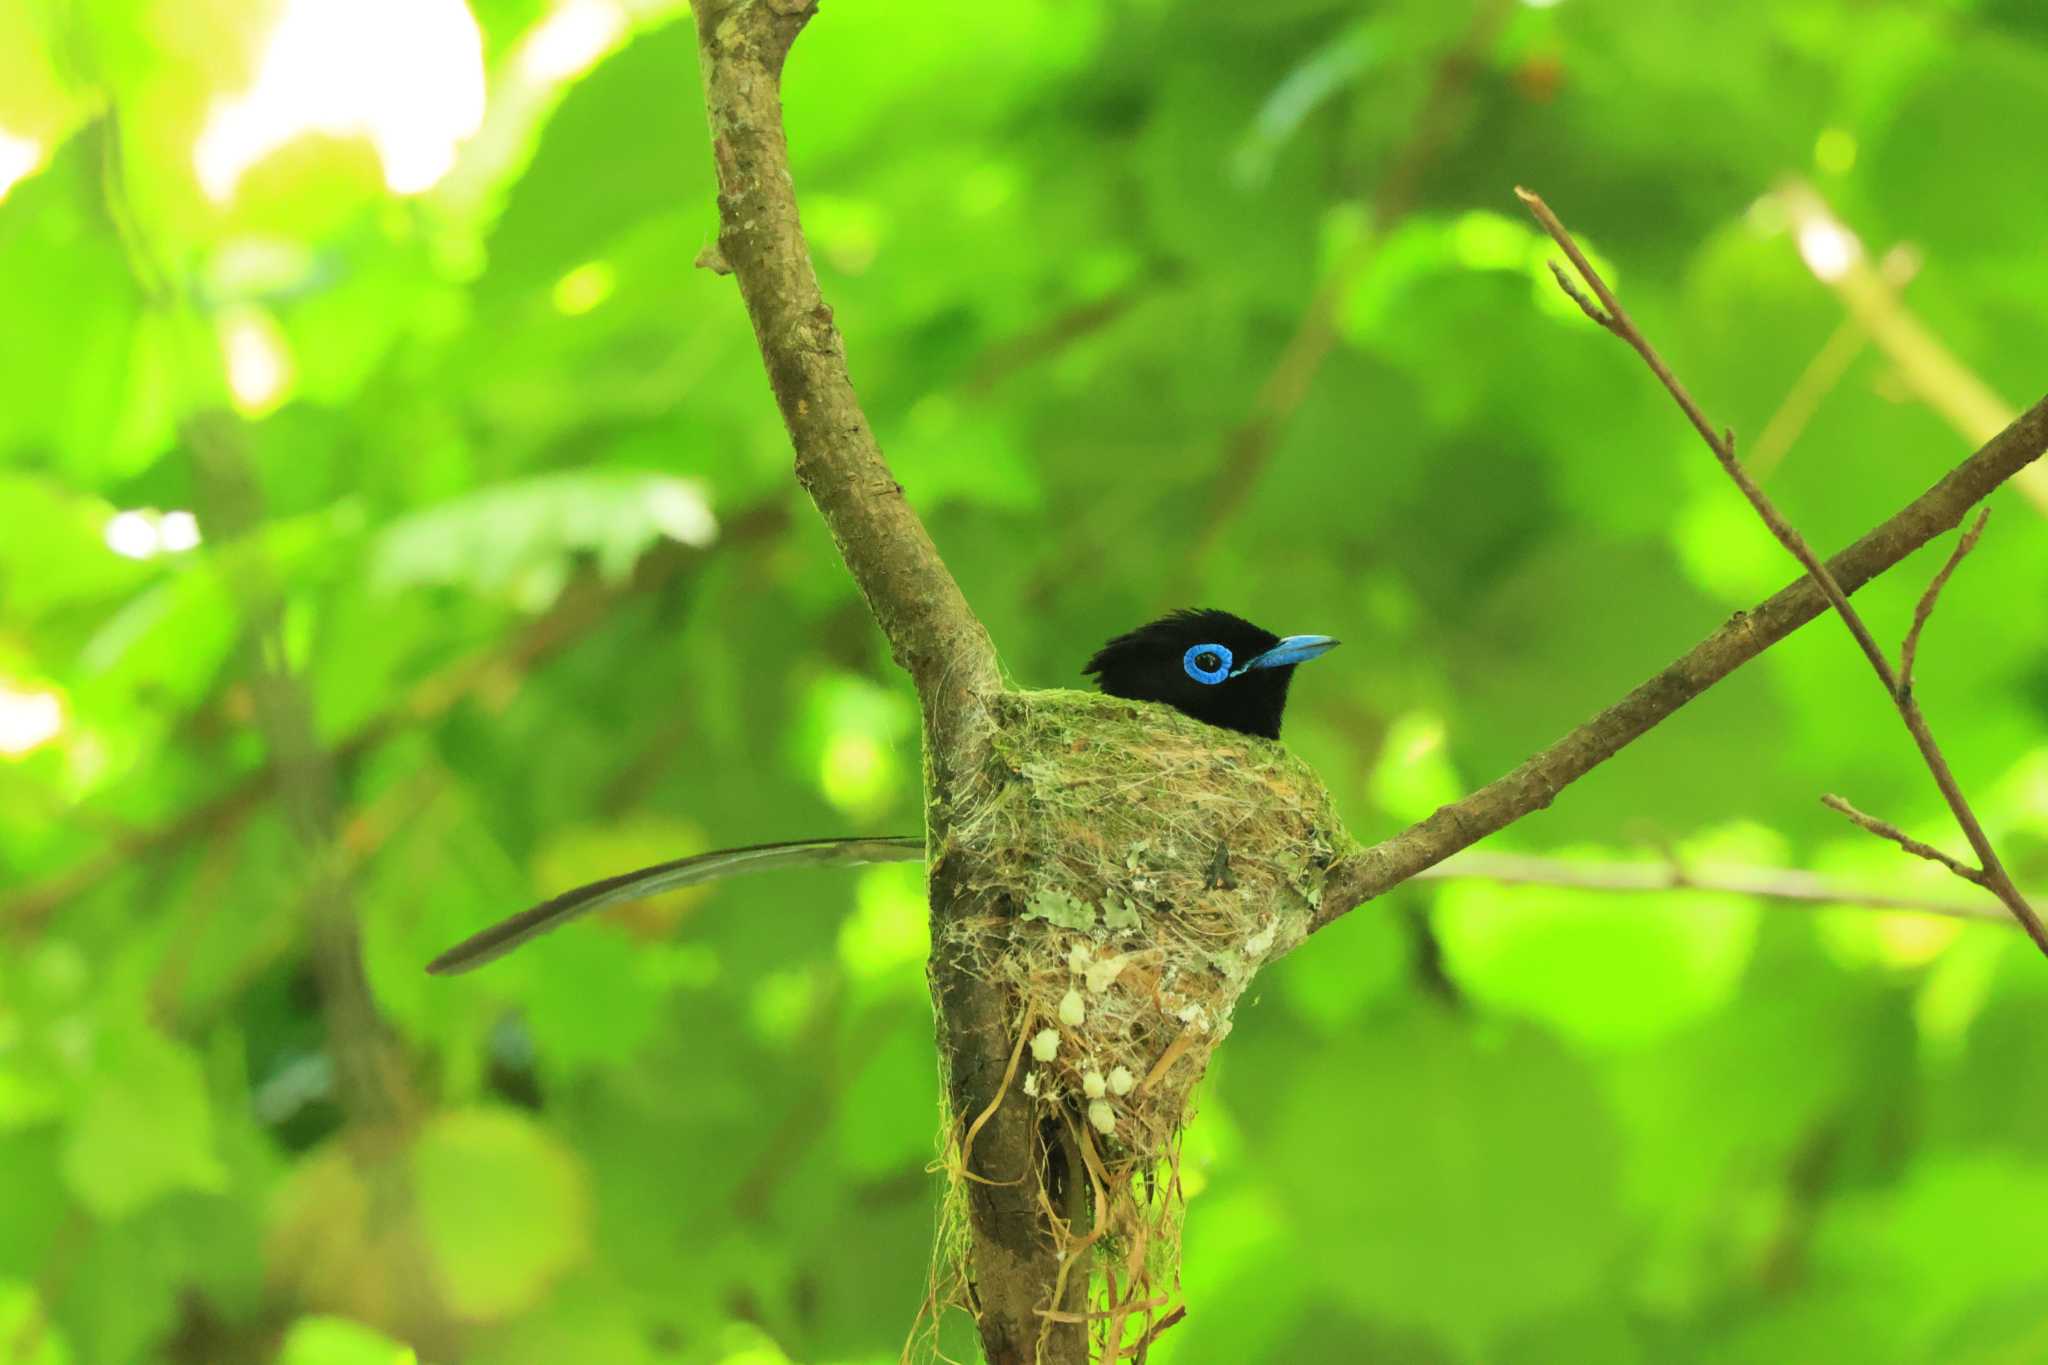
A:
[(394, 526)]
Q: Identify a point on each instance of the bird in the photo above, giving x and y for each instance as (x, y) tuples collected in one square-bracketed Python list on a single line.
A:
[(1208, 664), (1218, 668)]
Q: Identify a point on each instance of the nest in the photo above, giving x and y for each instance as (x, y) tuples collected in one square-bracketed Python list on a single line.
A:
[(1142, 867)]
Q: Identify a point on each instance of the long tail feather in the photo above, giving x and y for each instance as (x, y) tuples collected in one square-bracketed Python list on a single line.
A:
[(502, 937)]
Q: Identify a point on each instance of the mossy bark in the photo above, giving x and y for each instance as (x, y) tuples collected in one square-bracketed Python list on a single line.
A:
[(932, 633), (1012, 1259)]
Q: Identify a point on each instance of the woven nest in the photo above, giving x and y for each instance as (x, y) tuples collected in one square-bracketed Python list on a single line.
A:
[(1147, 865)]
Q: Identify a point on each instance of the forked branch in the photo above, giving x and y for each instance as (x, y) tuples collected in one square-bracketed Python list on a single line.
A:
[(1537, 781), (1990, 872), (931, 630), (1023, 1296)]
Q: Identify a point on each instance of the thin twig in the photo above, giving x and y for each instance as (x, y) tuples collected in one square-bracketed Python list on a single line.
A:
[(1615, 319), (1792, 886), (1723, 445), (1885, 829), (1358, 877), (1911, 649)]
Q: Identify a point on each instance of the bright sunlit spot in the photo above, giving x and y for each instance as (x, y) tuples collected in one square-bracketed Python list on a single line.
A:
[(19, 158), (29, 719), (1414, 774), (584, 288), (132, 534), (854, 771), (144, 533), (259, 364), (406, 74), (681, 510), (178, 532), (1828, 248), (1834, 151), (571, 39), (1490, 241), (889, 930), (1914, 940), (1766, 215)]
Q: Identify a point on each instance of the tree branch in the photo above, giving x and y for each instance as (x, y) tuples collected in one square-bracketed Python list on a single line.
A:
[(1537, 781), (369, 1072), (1793, 886), (1617, 320), (1909, 652), (1013, 1262), (932, 632)]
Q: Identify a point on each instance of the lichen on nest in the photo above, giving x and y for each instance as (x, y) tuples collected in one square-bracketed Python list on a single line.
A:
[(1137, 868)]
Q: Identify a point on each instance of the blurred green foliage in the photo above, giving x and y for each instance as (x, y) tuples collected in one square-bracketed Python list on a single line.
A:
[(533, 567)]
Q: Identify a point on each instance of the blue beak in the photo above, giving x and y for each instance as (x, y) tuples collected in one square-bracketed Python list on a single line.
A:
[(1295, 649)]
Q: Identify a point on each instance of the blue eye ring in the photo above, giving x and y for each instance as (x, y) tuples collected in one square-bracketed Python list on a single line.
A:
[(1207, 663)]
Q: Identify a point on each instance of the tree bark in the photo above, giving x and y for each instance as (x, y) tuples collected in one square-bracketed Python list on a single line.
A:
[(932, 633)]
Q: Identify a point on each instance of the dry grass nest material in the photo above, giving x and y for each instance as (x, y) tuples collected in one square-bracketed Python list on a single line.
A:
[(1149, 865)]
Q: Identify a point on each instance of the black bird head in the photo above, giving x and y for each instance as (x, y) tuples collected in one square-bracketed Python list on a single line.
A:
[(1211, 665)]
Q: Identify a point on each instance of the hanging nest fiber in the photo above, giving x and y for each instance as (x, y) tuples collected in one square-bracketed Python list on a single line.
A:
[(1139, 867)]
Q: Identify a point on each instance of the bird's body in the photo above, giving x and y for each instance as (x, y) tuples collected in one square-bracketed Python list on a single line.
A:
[(1215, 667)]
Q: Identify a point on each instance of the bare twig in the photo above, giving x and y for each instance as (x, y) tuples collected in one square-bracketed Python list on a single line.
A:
[(932, 632), (1539, 778), (1531, 786), (1723, 446), (1791, 886), (1615, 319), (1908, 652), (1885, 829)]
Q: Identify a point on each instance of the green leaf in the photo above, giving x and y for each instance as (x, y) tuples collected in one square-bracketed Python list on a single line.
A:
[(1613, 969), (504, 1208), (338, 1341), (25, 1322), (1956, 1233), (578, 968), (1481, 1159), (517, 539), (144, 1128), (884, 1124)]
